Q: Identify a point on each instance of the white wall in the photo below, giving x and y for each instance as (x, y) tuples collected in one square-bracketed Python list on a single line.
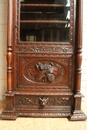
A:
[(3, 40), (84, 62)]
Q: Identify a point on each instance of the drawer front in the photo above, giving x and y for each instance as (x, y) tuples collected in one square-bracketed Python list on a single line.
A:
[(43, 106), (43, 102)]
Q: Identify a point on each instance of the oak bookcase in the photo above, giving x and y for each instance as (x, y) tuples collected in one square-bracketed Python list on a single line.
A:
[(44, 55)]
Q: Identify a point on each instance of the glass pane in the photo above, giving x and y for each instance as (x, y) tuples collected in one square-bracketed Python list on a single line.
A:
[(44, 20)]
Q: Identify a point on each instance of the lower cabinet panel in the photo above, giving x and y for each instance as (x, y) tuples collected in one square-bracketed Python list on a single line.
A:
[(43, 106), (44, 73)]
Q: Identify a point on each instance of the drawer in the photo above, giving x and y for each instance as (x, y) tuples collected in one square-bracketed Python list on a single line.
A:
[(43, 106)]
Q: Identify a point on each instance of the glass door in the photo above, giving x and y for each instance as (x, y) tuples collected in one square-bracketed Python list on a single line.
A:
[(45, 20)]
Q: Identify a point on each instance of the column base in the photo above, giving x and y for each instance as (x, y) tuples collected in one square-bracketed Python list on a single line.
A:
[(8, 115), (78, 115)]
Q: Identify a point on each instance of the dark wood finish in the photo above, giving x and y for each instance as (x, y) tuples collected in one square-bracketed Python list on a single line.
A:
[(44, 74)]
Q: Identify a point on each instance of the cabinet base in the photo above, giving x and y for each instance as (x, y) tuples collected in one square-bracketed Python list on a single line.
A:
[(75, 116)]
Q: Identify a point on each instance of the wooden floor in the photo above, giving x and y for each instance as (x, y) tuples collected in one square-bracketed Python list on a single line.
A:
[(43, 123)]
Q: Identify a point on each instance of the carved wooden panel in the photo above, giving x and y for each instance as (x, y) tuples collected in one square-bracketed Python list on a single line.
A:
[(42, 101), (42, 71)]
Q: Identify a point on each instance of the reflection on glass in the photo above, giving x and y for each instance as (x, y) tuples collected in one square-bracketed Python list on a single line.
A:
[(44, 20), (65, 2)]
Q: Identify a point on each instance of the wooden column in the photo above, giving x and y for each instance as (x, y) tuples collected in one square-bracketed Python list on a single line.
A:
[(9, 46), (78, 114), (79, 45), (9, 111)]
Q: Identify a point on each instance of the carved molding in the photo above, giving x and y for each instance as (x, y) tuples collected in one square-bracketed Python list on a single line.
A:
[(45, 55), (35, 49), (70, 73), (43, 93), (46, 44), (60, 114), (17, 22), (72, 22)]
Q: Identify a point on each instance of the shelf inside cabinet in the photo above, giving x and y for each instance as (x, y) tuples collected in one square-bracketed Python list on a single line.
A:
[(45, 2), (43, 5), (45, 21), (44, 12)]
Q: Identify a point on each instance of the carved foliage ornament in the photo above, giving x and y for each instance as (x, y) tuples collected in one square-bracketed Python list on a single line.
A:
[(43, 71), (44, 49), (43, 101)]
